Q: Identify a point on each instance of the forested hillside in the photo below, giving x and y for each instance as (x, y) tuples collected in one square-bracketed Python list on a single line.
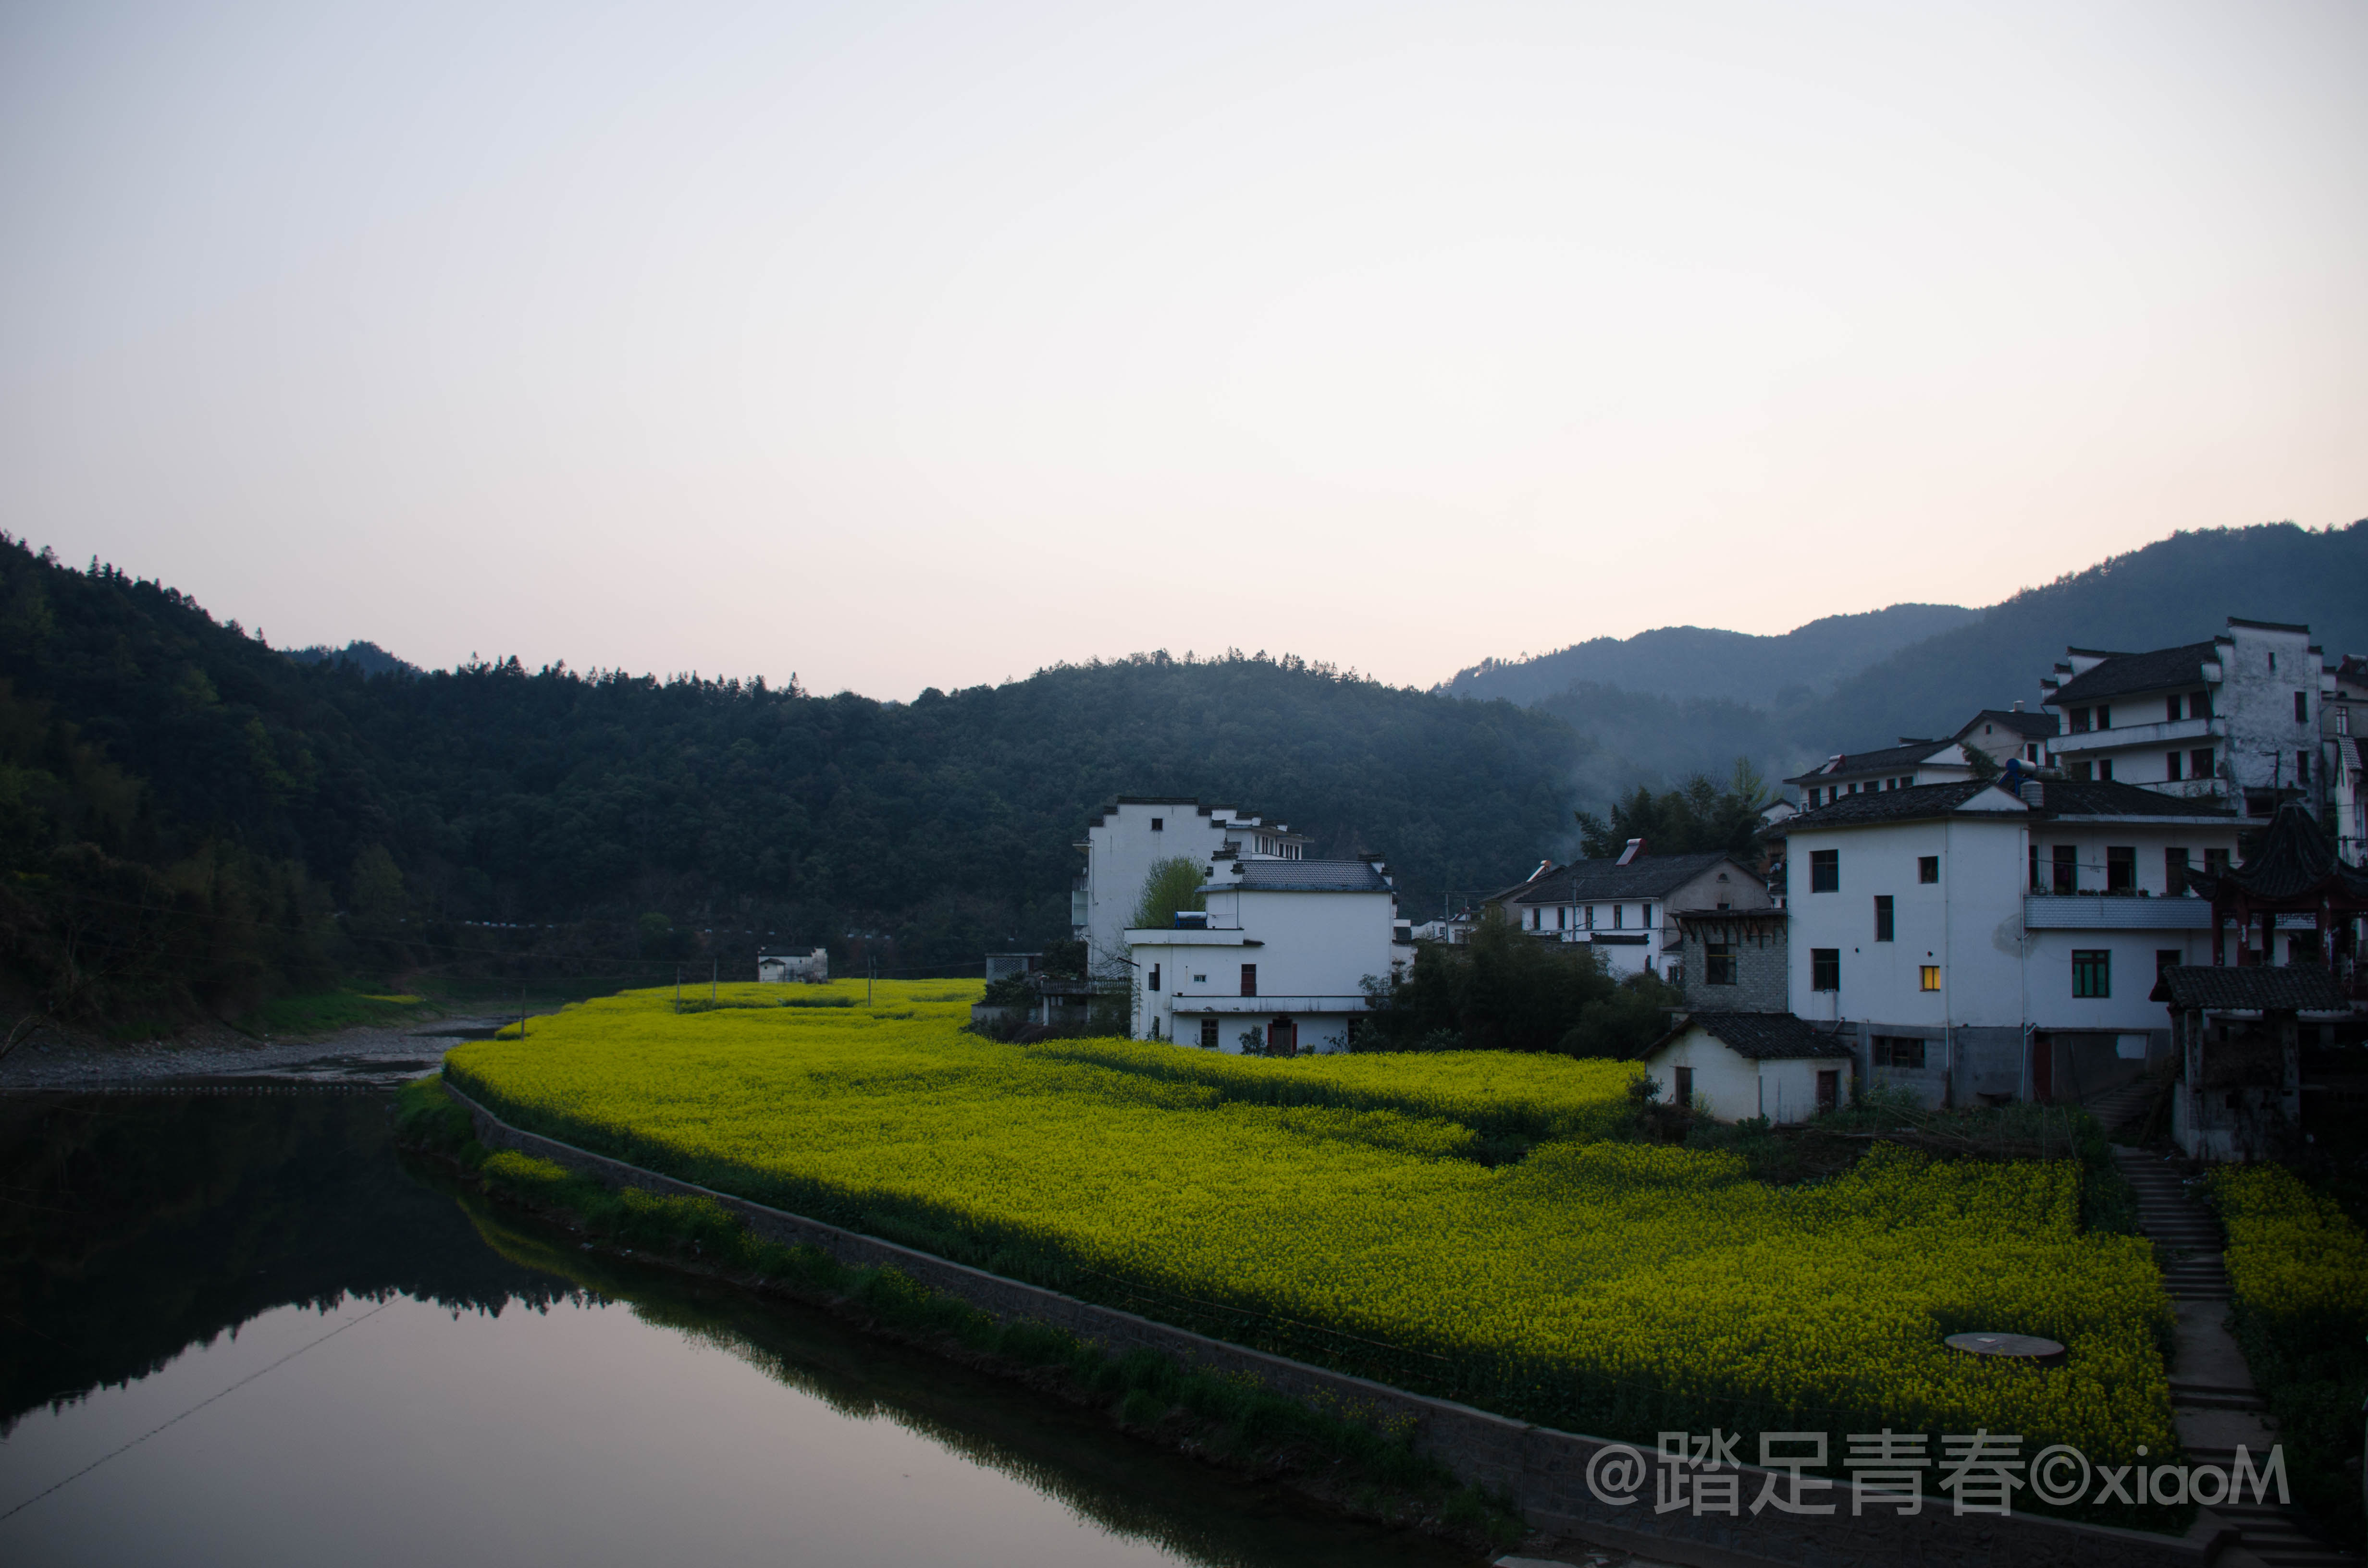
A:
[(2181, 589), (191, 819), (1694, 661)]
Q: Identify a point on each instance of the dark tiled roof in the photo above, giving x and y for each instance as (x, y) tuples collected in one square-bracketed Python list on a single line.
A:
[(2057, 798), (1303, 876), (2030, 726), (2296, 988), (1608, 881), (2071, 798), (1888, 805), (1761, 1035), (2294, 858), (1890, 758), (2124, 673)]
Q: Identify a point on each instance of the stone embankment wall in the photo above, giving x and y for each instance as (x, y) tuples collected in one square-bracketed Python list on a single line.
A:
[(1543, 1471)]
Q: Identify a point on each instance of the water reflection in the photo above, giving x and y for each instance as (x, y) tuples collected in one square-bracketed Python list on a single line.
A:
[(413, 1373)]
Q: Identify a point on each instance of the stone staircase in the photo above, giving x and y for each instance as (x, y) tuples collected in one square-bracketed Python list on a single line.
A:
[(2212, 1392), (2118, 1109)]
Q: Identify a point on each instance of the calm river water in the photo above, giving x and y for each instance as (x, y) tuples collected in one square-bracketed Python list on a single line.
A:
[(244, 1329)]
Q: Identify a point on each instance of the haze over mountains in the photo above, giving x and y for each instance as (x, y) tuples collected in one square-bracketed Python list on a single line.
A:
[(1682, 699)]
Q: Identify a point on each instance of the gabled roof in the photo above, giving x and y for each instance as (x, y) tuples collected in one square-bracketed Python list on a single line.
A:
[(2125, 673), (2294, 859), (2030, 726), (1303, 876), (2294, 988), (2056, 798), (1907, 756), (1889, 805), (1763, 1037), (1608, 881)]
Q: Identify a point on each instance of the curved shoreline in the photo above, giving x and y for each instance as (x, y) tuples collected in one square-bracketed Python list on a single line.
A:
[(1540, 1470)]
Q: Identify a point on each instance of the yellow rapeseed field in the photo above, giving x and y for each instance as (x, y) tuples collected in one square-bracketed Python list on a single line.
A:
[(1325, 1207), (2294, 1258)]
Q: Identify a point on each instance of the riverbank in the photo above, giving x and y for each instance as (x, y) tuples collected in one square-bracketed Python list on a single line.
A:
[(370, 1055), (1330, 1457)]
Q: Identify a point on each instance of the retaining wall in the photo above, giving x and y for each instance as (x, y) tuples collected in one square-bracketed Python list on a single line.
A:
[(1543, 1471)]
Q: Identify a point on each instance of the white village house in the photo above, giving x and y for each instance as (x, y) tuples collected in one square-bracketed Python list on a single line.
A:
[(1276, 962), (1972, 940), (1736, 1065), (1626, 907), (1125, 838)]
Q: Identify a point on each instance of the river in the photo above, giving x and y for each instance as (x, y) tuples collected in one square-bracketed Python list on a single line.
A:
[(243, 1328)]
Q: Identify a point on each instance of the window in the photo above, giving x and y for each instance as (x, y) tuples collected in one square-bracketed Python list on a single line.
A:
[(1154, 985), (1208, 1034), (2030, 752), (2199, 704), (2215, 862), (1562, 919), (2302, 767), (1249, 979), (2104, 770), (2104, 716), (1684, 1090), (2302, 708), (2066, 868), (2084, 772), (1824, 969), (2170, 767), (1619, 915), (2174, 871), (1718, 964), (1882, 917), (2092, 972), (2199, 764), (1928, 868), (1157, 823), (2170, 707), (2034, 867), (1825, 871), (1199, 979), (2121, 868), (1645, 915), (1590, 917), (1928, 977), (1355, 1029), (2079, 718), (1899, 1050)]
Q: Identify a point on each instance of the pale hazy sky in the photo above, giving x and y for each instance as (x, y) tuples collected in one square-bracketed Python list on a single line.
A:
[(907, 344)]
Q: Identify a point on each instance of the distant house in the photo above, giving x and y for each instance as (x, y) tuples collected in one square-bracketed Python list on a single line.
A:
[(1733, 960), (1624, 906), (775, 967), (1738, 1065), (1004, 966), (1276, 962), (2234, 722), (2343, 724), (1903, 766), (2010, 734)]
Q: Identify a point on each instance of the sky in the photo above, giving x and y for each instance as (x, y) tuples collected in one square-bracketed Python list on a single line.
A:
[(906, 345)]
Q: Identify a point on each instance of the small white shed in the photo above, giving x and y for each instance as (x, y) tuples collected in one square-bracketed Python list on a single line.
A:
[(776, 969), (1738, 1065)]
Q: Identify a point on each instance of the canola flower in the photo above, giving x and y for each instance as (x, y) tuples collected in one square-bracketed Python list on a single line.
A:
[(1330, 1208), (2295, 1261)]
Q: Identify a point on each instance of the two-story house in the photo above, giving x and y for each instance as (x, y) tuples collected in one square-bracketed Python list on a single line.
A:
[(2233, 720), (1125, 838), (1977, 940), (1626, 906), (1278, 962)]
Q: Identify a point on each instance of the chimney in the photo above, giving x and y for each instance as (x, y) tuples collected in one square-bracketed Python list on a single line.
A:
[(1636, 847), (2018, 706)]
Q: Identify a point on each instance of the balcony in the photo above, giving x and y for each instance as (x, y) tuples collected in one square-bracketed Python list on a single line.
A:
[(2114, 912), (2162, 733)]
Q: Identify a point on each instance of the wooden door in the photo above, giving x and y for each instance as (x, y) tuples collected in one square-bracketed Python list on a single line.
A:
[(1829, 1089), (1282, 1037), (2042, 1068)]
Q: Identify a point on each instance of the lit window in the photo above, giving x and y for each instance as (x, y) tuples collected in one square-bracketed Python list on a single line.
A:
[(1929, 977)]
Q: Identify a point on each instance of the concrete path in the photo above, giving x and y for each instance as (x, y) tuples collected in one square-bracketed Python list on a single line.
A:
[(2212, 1391)]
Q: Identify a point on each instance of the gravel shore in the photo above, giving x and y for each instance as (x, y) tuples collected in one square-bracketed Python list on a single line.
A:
[(366, 1055)]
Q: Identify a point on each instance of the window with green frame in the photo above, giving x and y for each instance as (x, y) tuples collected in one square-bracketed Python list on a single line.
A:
[(2092, 972)]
